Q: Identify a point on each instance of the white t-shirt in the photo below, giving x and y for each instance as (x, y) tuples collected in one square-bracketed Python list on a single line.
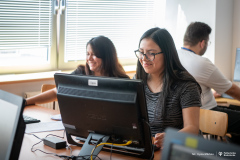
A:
[(206, 74)]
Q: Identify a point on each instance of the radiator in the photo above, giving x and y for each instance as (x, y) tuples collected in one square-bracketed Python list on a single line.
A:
[(47, 105)]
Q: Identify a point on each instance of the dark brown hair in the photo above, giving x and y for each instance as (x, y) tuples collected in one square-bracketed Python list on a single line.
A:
[(173, 71), (196, 32), (104, 48)]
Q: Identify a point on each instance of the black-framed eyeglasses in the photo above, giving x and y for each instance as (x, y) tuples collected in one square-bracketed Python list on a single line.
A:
[(149, 56), (207, 42)]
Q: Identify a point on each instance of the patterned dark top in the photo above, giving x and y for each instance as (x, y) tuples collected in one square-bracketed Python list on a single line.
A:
[(79, 70), (183, 95)]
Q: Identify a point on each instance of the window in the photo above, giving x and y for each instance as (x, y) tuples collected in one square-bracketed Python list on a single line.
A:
[(123, 21), (30, 31), (25, 35)]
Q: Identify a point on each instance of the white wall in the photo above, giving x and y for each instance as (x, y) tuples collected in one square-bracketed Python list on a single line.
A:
[(236, 31), (179, 14), (221, 15), (224, 36)]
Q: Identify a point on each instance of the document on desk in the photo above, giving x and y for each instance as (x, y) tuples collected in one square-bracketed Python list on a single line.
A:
[(44, 127)]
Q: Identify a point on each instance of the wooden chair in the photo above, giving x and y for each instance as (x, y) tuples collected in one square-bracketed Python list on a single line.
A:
[(46, 87), (213, 123), (131, 74)]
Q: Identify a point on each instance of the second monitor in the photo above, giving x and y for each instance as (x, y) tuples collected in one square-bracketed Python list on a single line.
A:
[(111, 107)]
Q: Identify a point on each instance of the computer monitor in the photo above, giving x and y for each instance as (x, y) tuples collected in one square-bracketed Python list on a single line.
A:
[(111, 107), (185, 146), (12, 126), (236, 76)]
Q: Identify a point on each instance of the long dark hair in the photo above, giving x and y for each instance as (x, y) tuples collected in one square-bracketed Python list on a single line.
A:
[(173, 70), (104, 48)]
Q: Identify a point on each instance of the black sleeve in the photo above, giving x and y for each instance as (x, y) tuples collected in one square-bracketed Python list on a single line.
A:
[(79, 70)]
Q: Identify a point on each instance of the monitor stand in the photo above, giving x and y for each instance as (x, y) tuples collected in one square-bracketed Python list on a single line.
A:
[(144, 155), (89, 144), (88, 147)]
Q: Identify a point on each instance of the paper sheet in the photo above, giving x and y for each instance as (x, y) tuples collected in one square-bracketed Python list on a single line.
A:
[(44, 127)]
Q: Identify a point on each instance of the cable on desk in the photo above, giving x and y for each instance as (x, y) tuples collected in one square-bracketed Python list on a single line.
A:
[(71, 157), (34, 136), (54, 135), (86, 157), (70, 149), (35, 145), (61, 156), (115, 144), (111, 152), (64, 131)]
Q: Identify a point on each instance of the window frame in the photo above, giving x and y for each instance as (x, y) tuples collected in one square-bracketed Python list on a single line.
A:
[(48, 66), (62, 65)]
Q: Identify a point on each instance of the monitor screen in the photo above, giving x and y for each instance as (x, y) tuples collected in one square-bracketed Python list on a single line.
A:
[(179, 152), (114, 107), (184, 146), (236, 76), (12, 126)]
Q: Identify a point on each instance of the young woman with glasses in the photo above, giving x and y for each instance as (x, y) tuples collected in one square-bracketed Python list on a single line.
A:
[(101, 60), (172, 94)]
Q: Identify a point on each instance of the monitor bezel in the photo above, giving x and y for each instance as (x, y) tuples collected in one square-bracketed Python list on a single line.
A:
[(20, 129), (197, 143), (235, 67)]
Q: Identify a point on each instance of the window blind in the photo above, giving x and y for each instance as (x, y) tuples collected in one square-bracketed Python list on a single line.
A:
[(123, 21), (25, 24)]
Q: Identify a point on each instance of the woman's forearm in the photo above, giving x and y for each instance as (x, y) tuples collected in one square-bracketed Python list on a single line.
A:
[(45, 97), (190, 129)]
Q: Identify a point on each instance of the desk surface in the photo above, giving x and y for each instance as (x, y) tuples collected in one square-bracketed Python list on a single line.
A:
[(44, 114), (227, 101)]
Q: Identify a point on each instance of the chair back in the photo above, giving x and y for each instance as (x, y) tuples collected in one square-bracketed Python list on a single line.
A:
[(46, 87), (213, 122)]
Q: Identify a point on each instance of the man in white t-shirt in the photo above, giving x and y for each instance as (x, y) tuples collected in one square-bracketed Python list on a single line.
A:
[(196, 41)]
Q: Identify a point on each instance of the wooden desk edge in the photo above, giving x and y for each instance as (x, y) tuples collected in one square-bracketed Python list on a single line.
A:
[(228, 101)]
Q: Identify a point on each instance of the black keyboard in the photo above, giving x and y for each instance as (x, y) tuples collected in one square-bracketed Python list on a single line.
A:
[(28, 119)]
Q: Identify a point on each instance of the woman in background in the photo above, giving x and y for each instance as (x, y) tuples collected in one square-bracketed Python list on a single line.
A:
[(173, 96), (101, 60)]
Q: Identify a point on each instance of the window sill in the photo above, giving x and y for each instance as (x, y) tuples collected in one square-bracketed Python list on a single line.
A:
[(30, 77)]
